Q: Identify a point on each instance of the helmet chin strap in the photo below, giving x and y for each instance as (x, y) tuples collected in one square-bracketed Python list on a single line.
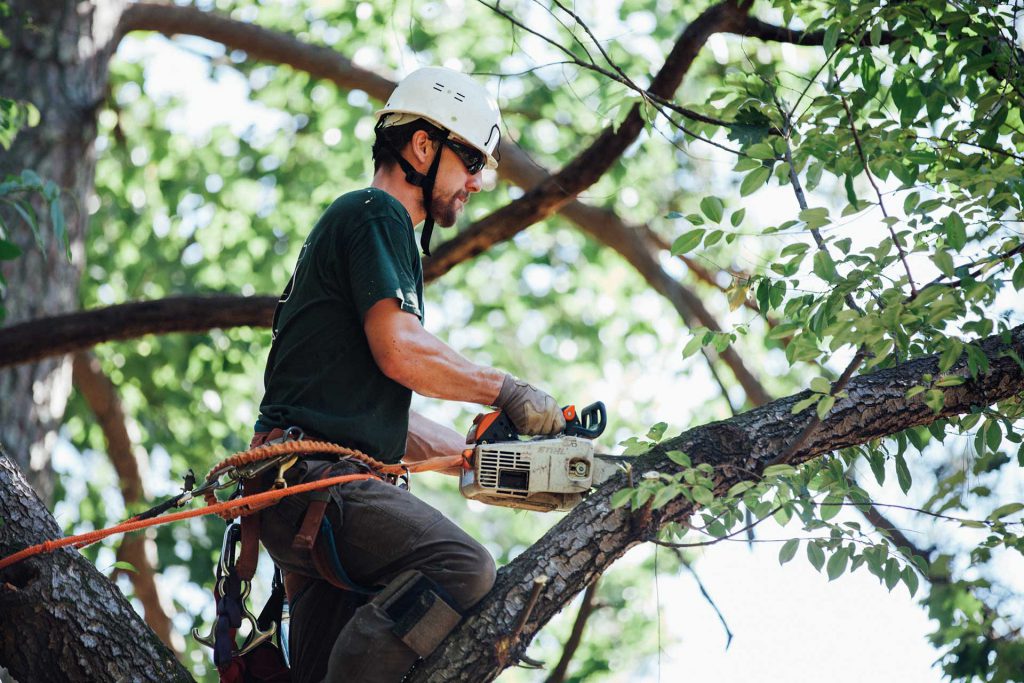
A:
[(417, 179)]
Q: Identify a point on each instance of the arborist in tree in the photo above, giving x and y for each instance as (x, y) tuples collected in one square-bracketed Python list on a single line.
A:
[(392, 576)]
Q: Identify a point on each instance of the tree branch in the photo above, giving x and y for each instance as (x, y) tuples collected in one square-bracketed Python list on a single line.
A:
[(572, 643), (101, 395), (594, 535), (554, 192), (60, 334), (755, 28)]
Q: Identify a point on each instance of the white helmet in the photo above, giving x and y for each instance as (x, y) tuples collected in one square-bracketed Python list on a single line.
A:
[(450, 100)]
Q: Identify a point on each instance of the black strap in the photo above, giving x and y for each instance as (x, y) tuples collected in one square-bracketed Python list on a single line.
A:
[(428, 196), (271, 613)]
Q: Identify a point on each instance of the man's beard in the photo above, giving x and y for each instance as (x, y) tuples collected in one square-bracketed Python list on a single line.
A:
[(446, 209)]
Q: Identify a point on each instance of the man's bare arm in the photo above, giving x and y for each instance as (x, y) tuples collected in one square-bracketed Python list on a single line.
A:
[(428, 439), (416, 359)]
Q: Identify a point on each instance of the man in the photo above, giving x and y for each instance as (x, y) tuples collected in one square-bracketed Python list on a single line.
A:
[(349, 349)]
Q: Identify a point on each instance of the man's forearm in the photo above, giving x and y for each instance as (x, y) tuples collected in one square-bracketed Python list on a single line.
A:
[(428, 439), (416, 359)]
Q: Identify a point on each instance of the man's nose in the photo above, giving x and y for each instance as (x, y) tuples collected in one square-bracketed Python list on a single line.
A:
[(475, 182)]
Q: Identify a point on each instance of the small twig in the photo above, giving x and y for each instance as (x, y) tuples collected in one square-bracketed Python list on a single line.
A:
[(798, 189), (667, 544), (837, 386), (538, 585), (709, 599), (878, 193), (504, 645)]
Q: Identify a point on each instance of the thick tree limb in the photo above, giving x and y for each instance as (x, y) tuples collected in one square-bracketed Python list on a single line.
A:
[(60, 619), (259, 43), (73, 331), (593, 535), (101, 395)]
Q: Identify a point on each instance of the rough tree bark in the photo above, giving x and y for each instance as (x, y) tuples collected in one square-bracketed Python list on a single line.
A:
[(60, 618), (57, 60), (572, 554)]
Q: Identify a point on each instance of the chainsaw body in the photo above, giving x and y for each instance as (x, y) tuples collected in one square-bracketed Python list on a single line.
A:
[(544, 473)]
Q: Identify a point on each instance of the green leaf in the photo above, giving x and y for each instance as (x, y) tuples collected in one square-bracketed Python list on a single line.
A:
[(737, 217), (944, 262), (126, 566), (815, 555), (837, 564), (825, 405), (788, 550), (821, 385), (892, 573), (935, 399), (713, 208), (910, 578), (662, 497), (950, 354), (754, 180), (657, 431), (620, 498), (803, 404), (876, 34), (902, 473), (687, 241), (825, 267), (740, 488), (778, 470), (693, 346), (679, 458), (831, 506), (1006, 510), (956, 231), (831, 38), (702, 495), (815, 218)]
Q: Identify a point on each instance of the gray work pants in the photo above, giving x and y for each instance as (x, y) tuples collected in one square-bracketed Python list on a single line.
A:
[(380, 531)]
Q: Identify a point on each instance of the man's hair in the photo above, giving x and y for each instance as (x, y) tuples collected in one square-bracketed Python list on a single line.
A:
[(391, 140)]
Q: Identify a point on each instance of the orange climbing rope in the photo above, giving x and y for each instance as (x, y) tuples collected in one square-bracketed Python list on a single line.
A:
[(250, 503)]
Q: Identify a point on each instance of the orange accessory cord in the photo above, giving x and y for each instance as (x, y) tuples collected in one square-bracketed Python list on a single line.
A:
[(246, 504)]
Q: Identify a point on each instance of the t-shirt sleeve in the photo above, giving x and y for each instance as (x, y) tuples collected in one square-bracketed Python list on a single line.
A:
[(381, 260)]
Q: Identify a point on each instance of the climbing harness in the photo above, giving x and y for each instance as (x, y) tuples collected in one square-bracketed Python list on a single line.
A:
[(258, 659)]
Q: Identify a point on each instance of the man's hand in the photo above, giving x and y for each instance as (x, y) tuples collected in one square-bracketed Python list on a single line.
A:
[(531, 410)]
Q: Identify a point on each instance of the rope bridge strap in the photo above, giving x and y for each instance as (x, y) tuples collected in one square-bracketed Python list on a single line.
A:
[(247, 503)]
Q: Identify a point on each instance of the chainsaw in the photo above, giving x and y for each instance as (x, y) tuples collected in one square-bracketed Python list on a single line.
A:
[(542, 473)]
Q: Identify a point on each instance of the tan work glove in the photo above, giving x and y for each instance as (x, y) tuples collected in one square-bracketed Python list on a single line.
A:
[(531, 410)]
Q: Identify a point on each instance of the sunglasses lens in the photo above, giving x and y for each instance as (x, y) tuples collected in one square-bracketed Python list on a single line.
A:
[(471, 158)]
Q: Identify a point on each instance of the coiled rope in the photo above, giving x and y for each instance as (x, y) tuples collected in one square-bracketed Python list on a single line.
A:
[(244, 505)]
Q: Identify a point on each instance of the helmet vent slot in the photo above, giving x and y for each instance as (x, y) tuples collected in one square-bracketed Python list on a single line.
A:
[(459, 97), (438, 87)]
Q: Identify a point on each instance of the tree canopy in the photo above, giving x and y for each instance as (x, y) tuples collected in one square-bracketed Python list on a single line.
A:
[(786, 234)]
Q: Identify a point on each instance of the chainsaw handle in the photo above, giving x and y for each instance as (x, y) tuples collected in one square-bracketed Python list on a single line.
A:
[(588, 423)]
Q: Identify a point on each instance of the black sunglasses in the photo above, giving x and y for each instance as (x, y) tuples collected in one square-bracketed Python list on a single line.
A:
[(471, 157)]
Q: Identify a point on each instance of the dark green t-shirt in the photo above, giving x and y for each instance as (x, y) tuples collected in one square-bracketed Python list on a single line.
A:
[(321, 375)]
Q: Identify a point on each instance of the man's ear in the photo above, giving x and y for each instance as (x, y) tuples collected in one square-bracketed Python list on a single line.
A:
[(421, 150)]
